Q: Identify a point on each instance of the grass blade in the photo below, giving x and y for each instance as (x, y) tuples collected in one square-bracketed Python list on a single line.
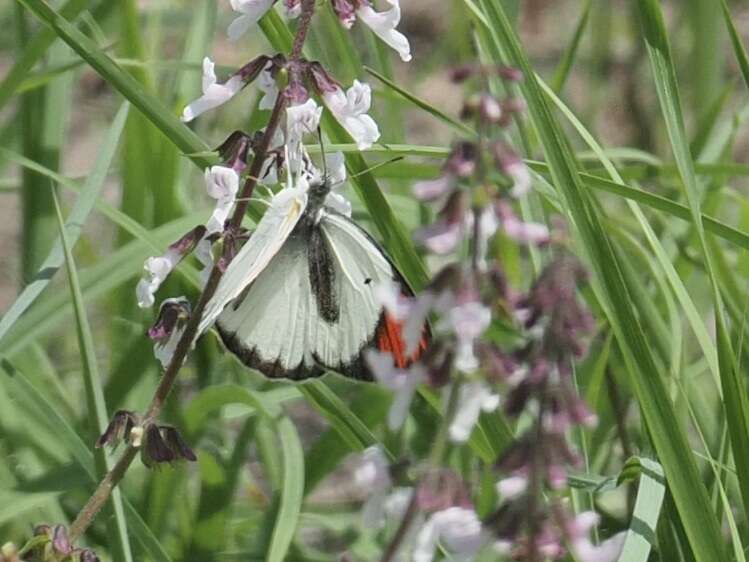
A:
[(97, 409), (73, 227)]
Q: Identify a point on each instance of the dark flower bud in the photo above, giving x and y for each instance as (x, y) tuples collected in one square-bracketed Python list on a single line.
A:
[(164, 444), (252, 69), (463, 72), (171, 312), (155, 449), (187, 243), (118, 429), (462, 159), (509, 73), (235, 149), (438, 360), (175, 442), (516, 456), (321, 79), (87, 556)]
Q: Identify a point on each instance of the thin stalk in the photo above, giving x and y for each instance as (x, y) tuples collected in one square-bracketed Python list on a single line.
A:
[(113, 477)]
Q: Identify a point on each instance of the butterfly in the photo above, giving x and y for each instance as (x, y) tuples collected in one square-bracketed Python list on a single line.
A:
[(299, 298)]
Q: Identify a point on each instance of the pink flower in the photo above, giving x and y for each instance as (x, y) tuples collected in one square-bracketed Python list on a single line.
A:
[(457, 529), (402, 382)]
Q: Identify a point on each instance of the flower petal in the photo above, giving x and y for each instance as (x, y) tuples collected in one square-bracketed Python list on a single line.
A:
[(252, 11), (383, 25)]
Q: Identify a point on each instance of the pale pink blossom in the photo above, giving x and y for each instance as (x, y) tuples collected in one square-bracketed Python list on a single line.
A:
[(456, 529), (403, 383), (473, 398)]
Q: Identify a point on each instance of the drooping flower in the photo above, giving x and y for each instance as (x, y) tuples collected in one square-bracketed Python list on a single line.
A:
[(402, 382), (214, 93), (221, 184), (473, 398), (456, 529), (167, 331), (251, 11), (383, 25), (301, 119), (373, 475), (158, 268), (350, 110)]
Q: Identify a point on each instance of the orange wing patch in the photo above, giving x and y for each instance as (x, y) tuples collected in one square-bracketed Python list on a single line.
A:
[(390, 340)]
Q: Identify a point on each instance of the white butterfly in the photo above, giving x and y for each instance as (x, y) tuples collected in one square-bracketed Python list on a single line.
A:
[(299, 297)]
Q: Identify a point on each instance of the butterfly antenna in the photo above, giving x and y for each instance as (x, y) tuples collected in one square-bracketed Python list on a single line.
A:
[(322, 151)]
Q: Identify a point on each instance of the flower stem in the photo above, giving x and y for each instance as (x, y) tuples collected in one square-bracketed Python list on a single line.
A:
[(112, 478)]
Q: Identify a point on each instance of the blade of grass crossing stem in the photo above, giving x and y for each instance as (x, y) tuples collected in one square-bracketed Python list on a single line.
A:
[(647, 380), (60, 429), (738, 46), (650, 494), (568, 58), (81, 209), (734, 392), (176, 131), (97, 410)]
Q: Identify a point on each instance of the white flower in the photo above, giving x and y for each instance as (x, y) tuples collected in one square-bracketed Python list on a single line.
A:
[(521, 178), (582, 547), (383, 24), (157, 269), (336, 168), (468, 321), (222, 184), (401, 381), (214, 94), (300, 119), (267, 84), (512, 486), (473, 398), (252, 11), (457, 529), (373, 475), (350, 110), (205, 257), (430, 190)]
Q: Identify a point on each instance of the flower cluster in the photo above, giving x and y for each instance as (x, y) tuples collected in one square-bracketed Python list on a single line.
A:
[(475, 193)]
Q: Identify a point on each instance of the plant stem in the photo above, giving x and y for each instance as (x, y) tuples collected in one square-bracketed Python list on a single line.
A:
[(113, 477)]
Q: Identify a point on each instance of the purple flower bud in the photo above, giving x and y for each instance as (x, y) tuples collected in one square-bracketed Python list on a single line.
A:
[(154, 449), (88, 556), (431, 190), (509, 73), (346, 12), (462, 159), (463, 72), (178, 445), (252, 69), (187, 243), (321, 79), (119, 428), (171, 312)]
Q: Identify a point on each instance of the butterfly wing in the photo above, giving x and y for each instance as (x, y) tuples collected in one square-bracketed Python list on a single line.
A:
[(313, 308), (277, 224)]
